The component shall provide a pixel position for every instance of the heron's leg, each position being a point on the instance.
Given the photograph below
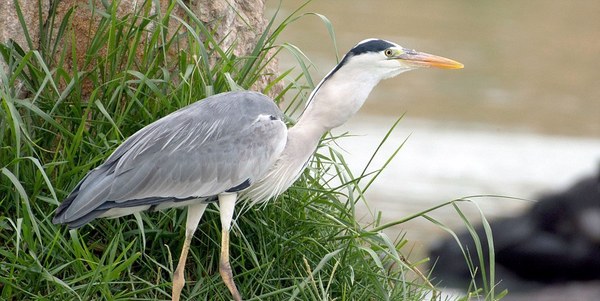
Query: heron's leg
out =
(226, 207)
(194, 214)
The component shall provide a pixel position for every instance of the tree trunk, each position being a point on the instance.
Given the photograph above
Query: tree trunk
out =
(232, 21)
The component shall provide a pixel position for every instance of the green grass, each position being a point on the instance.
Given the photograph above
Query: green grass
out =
(306, 245)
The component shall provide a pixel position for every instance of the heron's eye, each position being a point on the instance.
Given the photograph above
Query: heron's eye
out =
(388, 52)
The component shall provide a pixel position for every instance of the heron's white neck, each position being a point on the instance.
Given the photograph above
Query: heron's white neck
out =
(337, 98)
(334, 101)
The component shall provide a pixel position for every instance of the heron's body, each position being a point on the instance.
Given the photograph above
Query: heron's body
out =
(185, 157)
(231, 146)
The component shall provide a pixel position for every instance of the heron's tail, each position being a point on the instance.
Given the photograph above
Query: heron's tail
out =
(81, 206)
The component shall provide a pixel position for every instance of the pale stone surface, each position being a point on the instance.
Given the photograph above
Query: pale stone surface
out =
(235, 22)
(10, 27)
(239, 22)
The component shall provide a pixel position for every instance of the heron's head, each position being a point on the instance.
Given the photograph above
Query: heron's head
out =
(383, 59)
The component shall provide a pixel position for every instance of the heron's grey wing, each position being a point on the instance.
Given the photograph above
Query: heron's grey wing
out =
(187, 167)
(201, 150)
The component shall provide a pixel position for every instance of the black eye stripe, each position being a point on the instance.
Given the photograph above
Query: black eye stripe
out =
(371, 46)
(368, 46)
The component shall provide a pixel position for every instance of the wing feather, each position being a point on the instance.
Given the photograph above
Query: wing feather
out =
(199, 151)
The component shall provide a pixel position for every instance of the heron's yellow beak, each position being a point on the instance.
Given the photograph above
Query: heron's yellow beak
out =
(424, 60)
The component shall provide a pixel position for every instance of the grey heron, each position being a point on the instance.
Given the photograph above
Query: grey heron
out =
(229, 147)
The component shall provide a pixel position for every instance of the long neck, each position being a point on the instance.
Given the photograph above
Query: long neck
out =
(336, 99)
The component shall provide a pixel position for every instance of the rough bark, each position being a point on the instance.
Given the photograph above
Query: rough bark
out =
(234, 22)
(10, 27)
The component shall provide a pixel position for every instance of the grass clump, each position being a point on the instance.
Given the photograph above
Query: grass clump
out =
(307, 245)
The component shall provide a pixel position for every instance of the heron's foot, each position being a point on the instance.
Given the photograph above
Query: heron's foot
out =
(225, 268)
(178, 283)
(194, 215)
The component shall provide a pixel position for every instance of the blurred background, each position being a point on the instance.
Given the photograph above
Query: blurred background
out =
(522, 118)
(521, 122)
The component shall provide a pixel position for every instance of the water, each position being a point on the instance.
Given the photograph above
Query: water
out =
(522, 118)
(442, 161)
